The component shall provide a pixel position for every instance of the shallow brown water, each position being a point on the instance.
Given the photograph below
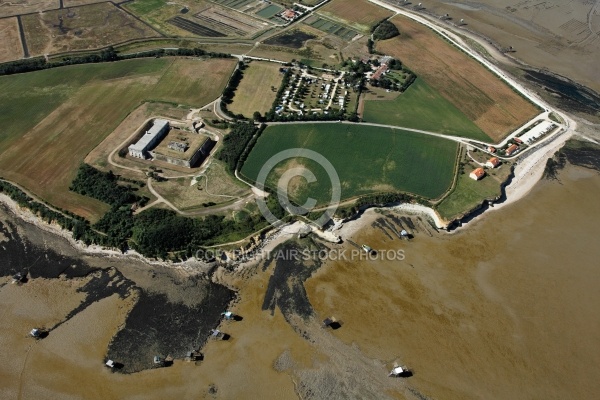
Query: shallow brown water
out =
(507, 308)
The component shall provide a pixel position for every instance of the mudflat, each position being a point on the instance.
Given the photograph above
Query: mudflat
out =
(502, 309)
(562, 35)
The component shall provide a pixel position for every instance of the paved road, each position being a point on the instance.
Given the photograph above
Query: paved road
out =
(445, 32)
(455, 39)
(458, 41)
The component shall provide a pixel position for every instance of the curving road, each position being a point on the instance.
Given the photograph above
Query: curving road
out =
(447, 33)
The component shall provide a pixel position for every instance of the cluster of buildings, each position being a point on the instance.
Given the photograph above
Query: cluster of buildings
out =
(317, 94)
(382, 69)
(479, 173)
(542, 128)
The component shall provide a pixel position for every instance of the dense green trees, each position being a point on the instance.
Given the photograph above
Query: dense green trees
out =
(235, 143)
(107, 55)
(385, 30)
(102, 186)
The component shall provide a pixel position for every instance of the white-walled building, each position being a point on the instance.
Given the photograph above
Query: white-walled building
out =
(159, 129)
(493, 162)
(477, 174)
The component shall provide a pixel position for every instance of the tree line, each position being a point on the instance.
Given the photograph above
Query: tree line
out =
(235, 144)
(229, 91)
(106, 55)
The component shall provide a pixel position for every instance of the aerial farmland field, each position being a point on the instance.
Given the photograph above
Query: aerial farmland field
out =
(81, 28)
(486, 100)
(367, 159)
(269, 11)
(195, 18)
(53, 118)
(328, 26)
(26, 6)
(421, 107)
(254, 92)
(10, 46)
(359, 14)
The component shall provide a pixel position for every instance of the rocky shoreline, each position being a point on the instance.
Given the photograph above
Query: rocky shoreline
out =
(526, 174)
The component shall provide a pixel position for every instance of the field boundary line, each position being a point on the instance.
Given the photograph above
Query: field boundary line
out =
(23, 40)
(452, 188)
(118, 5)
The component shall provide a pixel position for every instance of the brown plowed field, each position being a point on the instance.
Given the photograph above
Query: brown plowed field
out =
(358, 13)
(81, 28)
(473, 89)
(19, 7)
(10, 45)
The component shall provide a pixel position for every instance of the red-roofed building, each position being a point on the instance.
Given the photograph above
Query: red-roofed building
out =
(493, 162)
(477, 174)
(288, 14)
(382, 68)
(512, 149)
(491, 149)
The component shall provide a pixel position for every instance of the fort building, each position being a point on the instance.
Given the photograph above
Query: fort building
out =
(154, 135)
(183, 148)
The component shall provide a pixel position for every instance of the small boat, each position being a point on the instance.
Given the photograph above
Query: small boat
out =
(400, 371)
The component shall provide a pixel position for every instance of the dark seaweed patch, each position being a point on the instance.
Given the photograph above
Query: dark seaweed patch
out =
(156, 326)
(582, 154)
(286, 285)
(573, 96)
(17, 254)
(294, 39)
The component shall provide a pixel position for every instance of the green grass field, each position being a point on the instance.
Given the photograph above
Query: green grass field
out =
(254, 91)
(367, 160)
(269, 11)
(52, 119)
(421, 107)
(469, 193)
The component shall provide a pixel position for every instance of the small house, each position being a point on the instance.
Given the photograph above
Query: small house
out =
(477, 174)
(288, 15)
(493, 162)
(491, 149)
(110, 364)
(512, 149)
